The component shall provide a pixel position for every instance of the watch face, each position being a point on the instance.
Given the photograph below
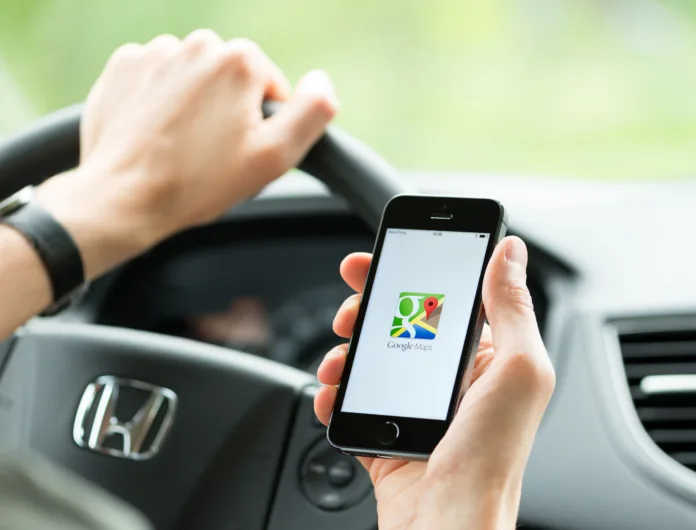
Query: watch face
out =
(16, 201)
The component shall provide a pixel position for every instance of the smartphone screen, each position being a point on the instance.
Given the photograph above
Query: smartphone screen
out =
(416, 323)
(418, 326)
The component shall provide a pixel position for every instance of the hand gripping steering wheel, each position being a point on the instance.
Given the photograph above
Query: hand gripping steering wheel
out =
(218, 438)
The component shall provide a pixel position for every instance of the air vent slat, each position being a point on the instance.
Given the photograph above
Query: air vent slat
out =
(685, 458)
(659, 350)
(665, 414)
(634, 371)
(659, 370)
(673, 435)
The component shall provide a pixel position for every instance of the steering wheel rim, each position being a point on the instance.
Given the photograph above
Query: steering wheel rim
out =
(348, 167)
(237, 416)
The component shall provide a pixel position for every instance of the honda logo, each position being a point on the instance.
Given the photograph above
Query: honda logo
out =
(99, 426)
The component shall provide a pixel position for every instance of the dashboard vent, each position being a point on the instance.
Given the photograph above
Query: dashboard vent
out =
(661, 372)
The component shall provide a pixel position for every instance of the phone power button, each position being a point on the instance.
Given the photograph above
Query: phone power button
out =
(387, 433)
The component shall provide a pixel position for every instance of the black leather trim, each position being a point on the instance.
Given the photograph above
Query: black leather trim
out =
(54, 245)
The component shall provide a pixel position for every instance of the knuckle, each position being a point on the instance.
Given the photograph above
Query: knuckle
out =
(519, 295)
(165, 41)
(125, 53)
(200, 40)
(240, 58)
(511, 294)
(159, 190)
(246, 45)
(322, 105)
(275, 158)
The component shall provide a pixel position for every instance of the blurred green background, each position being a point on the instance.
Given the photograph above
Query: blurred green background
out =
(562, 88)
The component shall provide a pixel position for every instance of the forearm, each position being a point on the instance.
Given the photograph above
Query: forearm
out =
(106, 231)
(24, 283)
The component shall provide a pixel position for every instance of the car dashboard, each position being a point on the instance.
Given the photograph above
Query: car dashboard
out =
(269, 287)
(266, 287)
(610, 275)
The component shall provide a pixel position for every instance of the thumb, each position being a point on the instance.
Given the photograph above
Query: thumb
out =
(300, 122)
(501, 412)
(508, 304)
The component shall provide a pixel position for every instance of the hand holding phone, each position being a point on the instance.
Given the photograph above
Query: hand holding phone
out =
(473, 478)
(420, 322)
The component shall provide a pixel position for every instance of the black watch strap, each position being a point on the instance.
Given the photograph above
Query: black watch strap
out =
(54, 245)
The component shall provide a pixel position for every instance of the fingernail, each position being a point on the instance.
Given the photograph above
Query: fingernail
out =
(318, 82)
(347, 304)
(333, 352)
(515, 251)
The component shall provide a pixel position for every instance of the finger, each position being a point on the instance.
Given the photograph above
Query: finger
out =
(521, 370)
(354, 268)
(484, 355)
(303, 119)
(324, 401)
(331, 368)
(505, 405)
(486, 340)
(275, 84)
(484, 358)
(519, 378)
(508, 303)
(347, 314)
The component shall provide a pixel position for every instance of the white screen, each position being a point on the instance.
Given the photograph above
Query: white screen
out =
(425, 284)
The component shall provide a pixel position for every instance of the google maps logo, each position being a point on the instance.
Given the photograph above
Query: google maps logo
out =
(417, 315)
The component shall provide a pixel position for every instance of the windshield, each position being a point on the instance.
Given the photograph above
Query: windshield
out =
(572, 88)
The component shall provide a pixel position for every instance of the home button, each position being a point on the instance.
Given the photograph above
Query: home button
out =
(387, 433)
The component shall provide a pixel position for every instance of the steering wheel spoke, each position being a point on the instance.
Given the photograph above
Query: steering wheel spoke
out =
(230, 415)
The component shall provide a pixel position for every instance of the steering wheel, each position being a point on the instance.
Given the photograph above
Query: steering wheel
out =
(193, 435)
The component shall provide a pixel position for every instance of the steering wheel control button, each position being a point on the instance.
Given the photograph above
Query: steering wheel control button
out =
(387, 433)
(332, 481)
(330, 500)
(341, 473)
(316, 468)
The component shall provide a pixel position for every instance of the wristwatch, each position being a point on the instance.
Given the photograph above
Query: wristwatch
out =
(53, 244)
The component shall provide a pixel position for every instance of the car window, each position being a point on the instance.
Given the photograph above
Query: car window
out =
(572, 88)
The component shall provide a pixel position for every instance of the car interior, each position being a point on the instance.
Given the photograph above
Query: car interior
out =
(235, 316)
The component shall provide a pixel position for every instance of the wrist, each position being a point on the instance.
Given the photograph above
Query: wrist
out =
(486, 504)
(104, 216)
